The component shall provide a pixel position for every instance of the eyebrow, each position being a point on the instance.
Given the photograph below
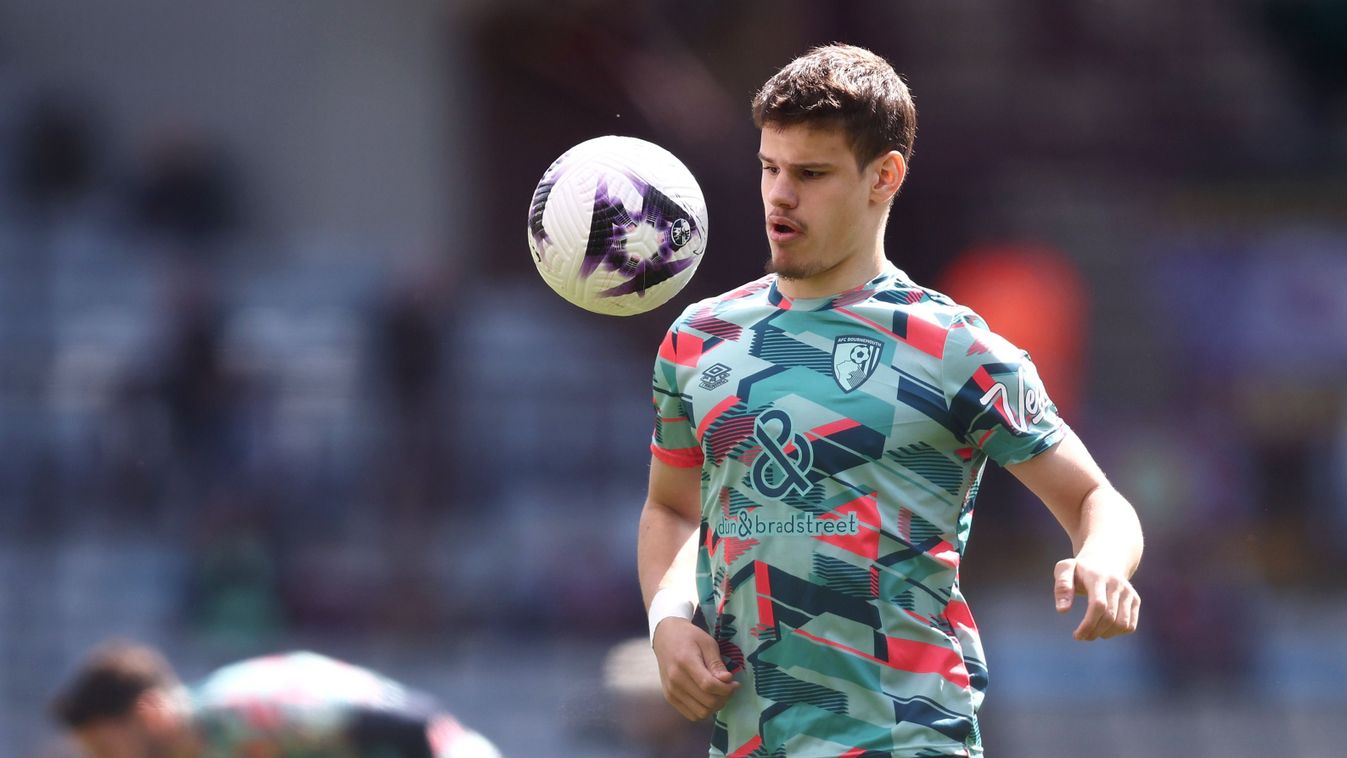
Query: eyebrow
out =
(807, 166)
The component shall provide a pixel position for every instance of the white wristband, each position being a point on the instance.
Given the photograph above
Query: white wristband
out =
(666, 603)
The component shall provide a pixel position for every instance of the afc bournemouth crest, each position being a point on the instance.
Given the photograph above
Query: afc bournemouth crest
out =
(855, 359)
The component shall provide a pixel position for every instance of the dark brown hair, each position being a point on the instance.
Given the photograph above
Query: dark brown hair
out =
(109, 683)
(842, 86)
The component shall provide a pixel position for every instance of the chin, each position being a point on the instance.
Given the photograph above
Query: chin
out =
(785, 268)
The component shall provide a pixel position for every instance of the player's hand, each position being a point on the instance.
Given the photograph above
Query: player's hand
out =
(695, 680)
(1112, 603)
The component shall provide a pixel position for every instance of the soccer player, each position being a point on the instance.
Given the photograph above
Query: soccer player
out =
(126, 702)
(820, 434)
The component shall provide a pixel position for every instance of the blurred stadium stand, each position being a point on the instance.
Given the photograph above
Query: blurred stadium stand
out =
(278, 373)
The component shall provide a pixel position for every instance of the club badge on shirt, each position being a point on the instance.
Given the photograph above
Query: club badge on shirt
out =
(855, 359)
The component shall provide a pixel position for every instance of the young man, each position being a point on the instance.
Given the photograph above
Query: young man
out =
(821, 433)
(126, 702)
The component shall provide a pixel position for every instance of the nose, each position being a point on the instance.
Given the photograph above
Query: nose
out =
(779, 191)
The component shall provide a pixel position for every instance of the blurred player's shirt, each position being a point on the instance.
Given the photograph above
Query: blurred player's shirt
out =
(841, 442)
(304, 705)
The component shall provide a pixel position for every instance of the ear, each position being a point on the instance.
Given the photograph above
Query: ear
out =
(890, 169)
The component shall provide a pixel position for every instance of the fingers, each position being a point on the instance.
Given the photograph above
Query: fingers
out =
(1112, 603)
(1112, 610)
(1064, 584)
(696, 702)
(696, 682)
(699, 704)
(687, 707)
(1129, 608)
(1097, 612)
(714, 678)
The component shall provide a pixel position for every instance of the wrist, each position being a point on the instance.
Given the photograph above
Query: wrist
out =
(668, 603)
(1103, 560)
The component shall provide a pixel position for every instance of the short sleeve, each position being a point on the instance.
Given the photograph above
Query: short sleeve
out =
(674, 440)
(997, 400)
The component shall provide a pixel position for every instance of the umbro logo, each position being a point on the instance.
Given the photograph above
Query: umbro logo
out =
(715, 376)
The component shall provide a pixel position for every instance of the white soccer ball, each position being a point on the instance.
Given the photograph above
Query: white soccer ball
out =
(617, 225)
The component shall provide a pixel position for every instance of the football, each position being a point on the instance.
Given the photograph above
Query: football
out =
(617, 225)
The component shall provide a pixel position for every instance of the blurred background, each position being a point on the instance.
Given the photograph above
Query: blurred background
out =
(276, 370)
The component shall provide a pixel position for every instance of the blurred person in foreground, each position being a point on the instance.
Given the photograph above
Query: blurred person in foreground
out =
(126, 702)
(820, 434)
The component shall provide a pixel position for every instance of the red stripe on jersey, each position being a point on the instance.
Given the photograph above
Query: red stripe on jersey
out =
(853, 296)
(763, 584)
(689, 349)
(733, 548)
(757, 285)
(983, 378)
(960, 615)
(736, 548)
(666, 347)
(706, 322)
(864, 320)
(840, 646)
(925, 658)
(684, 457)
(681, 347)
(855, 752)
(909, 655)
(840, 425)
(926, 336)
(945, 553)
(715, 413)
(748, 747)
(728, 435)
(865, 542)
(925, 620)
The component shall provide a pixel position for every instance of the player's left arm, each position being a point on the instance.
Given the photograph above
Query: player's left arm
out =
(1105, 536)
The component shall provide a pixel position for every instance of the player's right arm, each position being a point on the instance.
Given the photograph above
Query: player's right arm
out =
(694, 678)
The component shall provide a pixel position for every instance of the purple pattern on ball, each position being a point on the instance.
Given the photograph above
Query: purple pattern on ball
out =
(609, 226)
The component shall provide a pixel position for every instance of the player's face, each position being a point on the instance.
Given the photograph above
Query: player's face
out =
(821, 220)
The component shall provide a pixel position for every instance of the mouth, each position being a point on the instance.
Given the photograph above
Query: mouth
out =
(782, 229)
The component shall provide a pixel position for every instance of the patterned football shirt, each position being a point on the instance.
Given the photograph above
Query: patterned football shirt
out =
(841, 441)
(305, 705)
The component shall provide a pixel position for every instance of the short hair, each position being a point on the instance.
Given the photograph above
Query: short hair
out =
(842, 86)
(109, 682)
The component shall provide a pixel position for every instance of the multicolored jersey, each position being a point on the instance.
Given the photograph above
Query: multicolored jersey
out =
(304, 705)
(841, 441)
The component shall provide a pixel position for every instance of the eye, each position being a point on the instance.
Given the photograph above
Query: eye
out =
(810, 174)
(771, 170)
